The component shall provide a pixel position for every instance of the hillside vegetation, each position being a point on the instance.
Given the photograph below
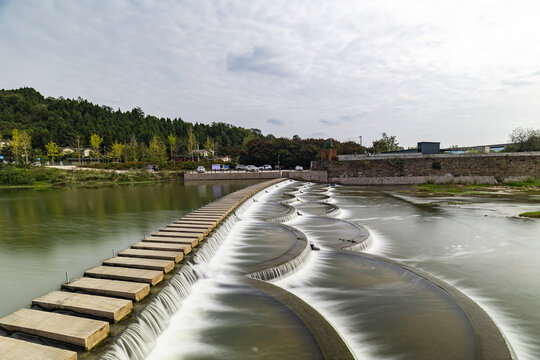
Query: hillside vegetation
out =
(128, 137)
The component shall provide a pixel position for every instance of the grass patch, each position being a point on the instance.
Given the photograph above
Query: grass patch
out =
(530, 186)
(451, 189)
(445, 203)
(44, 178)
(531, 214)
(530, 182)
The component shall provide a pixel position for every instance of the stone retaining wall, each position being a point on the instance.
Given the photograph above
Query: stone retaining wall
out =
(440, 168)
(317, 176)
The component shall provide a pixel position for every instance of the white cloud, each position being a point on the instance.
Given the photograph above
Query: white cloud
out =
(275, 122)
(461, 72)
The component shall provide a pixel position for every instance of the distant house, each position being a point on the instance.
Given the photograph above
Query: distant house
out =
(85, 152)
(223, 158)
(423, 147)
(4, 142)
(67, 150)
(185, 157)
(203, 153)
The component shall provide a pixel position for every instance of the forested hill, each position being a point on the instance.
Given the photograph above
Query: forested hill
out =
(63, 120)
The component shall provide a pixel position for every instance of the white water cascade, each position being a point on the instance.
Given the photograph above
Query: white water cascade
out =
(140, 337)
(282, 270)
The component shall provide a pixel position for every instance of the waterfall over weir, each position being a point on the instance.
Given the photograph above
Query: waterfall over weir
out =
(285, 269)
(139, 338)
(209, 309)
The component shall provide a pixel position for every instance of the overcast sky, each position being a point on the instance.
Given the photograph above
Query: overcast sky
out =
(459, 72)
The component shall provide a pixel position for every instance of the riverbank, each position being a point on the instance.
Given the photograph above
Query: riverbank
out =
(529, 186)
(39, 178)
(531, 214)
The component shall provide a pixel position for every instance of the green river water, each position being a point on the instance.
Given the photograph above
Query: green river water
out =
(45, 234)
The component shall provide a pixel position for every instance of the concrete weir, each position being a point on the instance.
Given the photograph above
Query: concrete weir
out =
(107, 292)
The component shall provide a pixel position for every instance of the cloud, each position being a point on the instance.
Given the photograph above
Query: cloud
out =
(318, 135)
(328, 122)
(516, 83)
(355, 117)
(275, 122)
(259, 60)
(329, 69)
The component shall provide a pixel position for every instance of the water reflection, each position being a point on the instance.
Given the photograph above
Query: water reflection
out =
(48, 233)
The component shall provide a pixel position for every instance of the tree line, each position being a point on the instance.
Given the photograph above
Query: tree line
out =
(71, 122)
(39, 126)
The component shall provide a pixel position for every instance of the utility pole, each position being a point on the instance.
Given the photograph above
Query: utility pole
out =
(360, 137)
(278, 163)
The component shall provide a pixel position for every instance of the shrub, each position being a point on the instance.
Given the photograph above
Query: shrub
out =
(10, 175)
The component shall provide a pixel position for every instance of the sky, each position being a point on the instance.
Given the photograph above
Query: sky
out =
(459, 72)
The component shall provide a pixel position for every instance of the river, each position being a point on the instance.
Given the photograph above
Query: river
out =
(45, 234)
(478, 244)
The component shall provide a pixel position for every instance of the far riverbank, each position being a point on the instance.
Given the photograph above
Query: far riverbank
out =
(39, 178)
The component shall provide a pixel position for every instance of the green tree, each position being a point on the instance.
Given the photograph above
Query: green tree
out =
(191, 142)
(385, 143)
(117, 150)
(172, 143)
(78, 148)
(95, 142)
(25, 143)
(157, 151)
(133, 149)
(53, 150)
(524, 140)
(16, 143)
(209, 145)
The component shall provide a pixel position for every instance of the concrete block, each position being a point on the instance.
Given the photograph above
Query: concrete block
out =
(124, 289)
(163, 246)
(98, 306)
(86, 333)
(151, 277)
(140, 263)
(175, 256)
(14, 349)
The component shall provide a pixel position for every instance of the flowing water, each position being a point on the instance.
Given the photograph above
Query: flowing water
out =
(381, 310)
(478, 244)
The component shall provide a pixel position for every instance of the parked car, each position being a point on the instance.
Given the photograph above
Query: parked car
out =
(267, 167)
(240, 167)
(252, 168)
(201, 169)
(299, 168)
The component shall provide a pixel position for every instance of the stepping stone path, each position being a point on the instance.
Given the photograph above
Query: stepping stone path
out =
(107, 291)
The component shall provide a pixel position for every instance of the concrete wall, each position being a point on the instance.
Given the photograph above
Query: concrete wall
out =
(440, 168)
(316, 176)
(232, 175)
